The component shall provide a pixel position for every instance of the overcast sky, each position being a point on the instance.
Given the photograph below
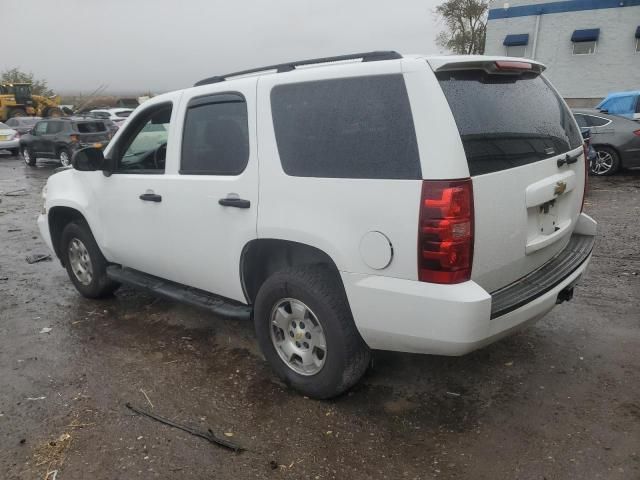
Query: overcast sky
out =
(160, 45)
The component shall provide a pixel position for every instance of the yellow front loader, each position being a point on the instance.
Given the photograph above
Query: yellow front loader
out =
(16, 100)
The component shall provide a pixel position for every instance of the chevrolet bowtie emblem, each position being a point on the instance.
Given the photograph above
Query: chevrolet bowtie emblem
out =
(560, 188)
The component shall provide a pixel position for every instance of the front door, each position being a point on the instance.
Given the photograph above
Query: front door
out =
(133, 216)
(39, 137)
(212, 201)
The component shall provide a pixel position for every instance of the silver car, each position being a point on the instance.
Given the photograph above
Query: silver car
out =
(615, 139)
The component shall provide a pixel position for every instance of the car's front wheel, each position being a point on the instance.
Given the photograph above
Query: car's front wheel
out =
(607, 161)
(85, 264)
(28, 156)
(307, 334)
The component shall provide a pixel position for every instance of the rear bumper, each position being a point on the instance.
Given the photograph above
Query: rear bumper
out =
(9, 144)
(410, 316)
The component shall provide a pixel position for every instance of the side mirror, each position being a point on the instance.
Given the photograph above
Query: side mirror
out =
(88, 159)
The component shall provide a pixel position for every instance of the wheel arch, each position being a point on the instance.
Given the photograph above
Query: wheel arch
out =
(263, 257)
(58, 218)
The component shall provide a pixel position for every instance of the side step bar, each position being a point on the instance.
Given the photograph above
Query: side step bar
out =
(174, 291)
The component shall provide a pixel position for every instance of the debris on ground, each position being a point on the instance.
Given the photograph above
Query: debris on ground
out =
(45, 330)
(147, 397)
(35, 398)
(453, 394)
(208, 435)
(52, 454)
(16, 193)
(11, 230)
(38, 257)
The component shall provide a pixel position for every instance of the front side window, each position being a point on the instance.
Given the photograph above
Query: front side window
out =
(517, 51)
(215, 139)
(142, 148)
(40, 128)
(584, 48)
(358, 127)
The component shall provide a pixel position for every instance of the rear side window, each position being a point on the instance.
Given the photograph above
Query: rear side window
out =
(215, 139)
(123, 114)
(346, 128)
(91, 127)
(598, 121)
(507, 121)
(55, 127)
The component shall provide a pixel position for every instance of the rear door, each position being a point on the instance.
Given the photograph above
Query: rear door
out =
(212, 196)
(517, 135)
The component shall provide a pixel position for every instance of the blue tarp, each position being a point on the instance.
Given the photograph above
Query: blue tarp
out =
(588, 35)
(516, 39)
(622, 103)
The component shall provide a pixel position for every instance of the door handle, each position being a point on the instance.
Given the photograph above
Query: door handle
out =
(569, 159)
(234, 202)
(150, 197)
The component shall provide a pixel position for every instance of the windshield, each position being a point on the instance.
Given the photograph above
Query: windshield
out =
(27, 121)
(507, 121)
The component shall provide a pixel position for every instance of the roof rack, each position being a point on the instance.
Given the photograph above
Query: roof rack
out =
(287, 67)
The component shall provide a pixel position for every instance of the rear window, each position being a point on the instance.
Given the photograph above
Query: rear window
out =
(507, 121)
(346, 128)
(123, 114)
(91, 127)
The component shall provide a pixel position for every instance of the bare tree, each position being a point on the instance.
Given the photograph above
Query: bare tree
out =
(38, 87)
(466, 22)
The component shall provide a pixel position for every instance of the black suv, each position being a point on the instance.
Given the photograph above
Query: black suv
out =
(60, 137)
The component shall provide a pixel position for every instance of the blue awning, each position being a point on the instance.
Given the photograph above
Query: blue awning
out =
(638, 32)
(513, 40)
(588, 35)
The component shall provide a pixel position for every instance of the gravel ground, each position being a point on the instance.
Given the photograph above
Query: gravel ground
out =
(556, 401)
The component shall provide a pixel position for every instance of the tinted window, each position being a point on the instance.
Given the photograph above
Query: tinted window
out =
(346, 128)
(215, 139)
(507, 121)
(582, 120)
(597, 121)
(55, 127)
(91, 127)
(123, 114)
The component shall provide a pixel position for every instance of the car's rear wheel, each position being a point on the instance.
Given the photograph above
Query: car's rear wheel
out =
(85, 264)
(307, 334)
(65, 157)
(607, 161)
(28, 156)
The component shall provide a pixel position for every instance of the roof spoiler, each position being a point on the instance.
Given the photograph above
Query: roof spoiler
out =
(499, 66)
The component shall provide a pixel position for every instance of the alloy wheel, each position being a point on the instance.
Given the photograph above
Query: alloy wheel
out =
(80, 261)
(602, 164)
(298, 336)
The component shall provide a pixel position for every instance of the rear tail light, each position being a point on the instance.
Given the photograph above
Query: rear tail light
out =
(585, 149)
(636, 133)
(445, 231)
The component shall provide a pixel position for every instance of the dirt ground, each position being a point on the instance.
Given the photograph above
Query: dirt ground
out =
(560, 400)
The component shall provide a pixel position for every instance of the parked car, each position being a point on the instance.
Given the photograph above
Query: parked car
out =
(591, 153)
(116, 115)
(60, 137)
(9, 139)
(22, 124)
(624, 104)
(417, 204)
(615, 139)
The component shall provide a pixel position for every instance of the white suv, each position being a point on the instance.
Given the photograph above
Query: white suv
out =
(370, 201)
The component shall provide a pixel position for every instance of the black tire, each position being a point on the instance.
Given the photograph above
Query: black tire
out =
(61, 157)
(347, 355)
(602, 153)
(99, 285)
(30, 157)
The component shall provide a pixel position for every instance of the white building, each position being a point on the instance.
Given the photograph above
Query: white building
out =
(590, 47)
